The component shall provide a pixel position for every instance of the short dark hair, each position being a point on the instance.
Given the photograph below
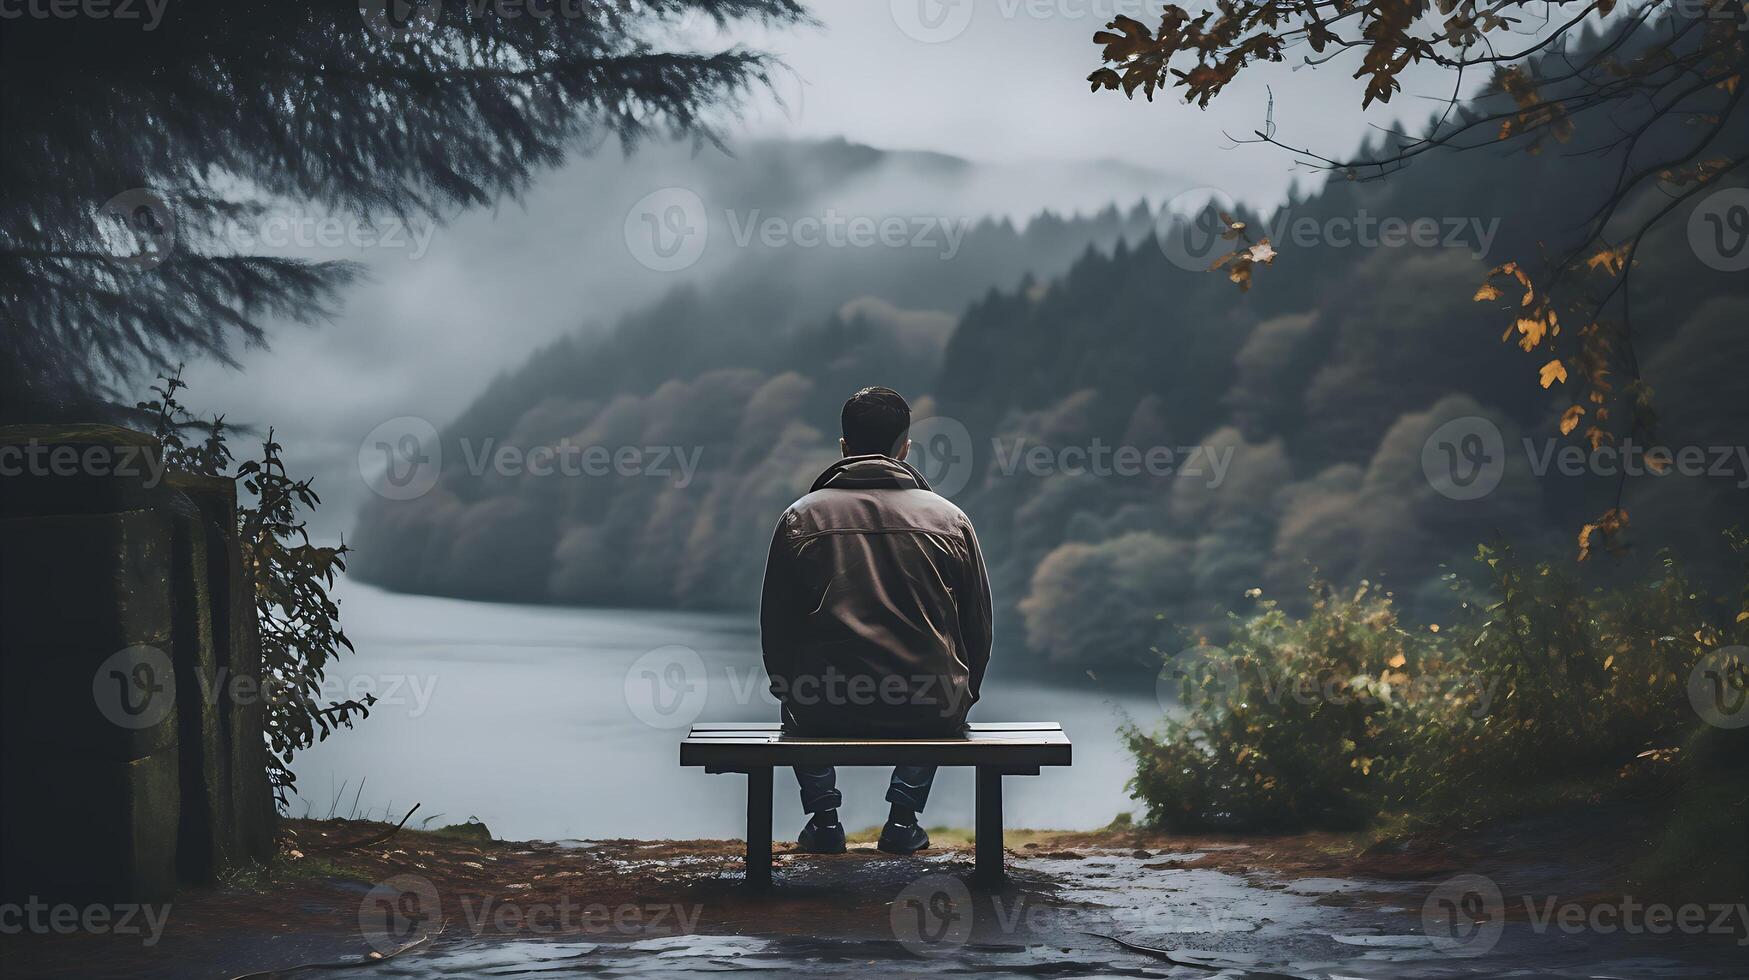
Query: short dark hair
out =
(876, 420)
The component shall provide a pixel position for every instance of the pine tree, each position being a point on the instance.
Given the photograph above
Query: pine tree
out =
(132, 144)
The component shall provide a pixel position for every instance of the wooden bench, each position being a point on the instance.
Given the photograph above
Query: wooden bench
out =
(1010, 748)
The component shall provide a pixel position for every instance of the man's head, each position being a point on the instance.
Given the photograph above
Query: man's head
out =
(876, 421)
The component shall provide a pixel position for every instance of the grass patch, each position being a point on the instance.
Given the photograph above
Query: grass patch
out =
(474, 829)
(285, 869)
(1702, 853)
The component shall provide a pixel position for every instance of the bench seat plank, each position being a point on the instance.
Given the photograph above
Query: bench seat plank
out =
(767, 745)
(981, 726)
(983, 738)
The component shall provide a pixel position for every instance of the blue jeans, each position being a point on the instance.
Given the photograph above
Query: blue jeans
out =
(909, 788)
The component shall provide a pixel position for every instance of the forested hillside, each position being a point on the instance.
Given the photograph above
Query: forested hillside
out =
(1316, 392)
(741, 373)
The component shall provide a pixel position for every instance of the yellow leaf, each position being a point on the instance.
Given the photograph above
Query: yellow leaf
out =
(1610, 260)
(1488, 291)
(1610, 522)
(1533, 329)
(1570, 418)
(1397, 661)
(1552, 372)
(1744, 615)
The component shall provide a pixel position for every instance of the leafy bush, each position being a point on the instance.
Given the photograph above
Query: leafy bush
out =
(1329, 720)
(1285, 725)
(299, 624)
(1702, 852)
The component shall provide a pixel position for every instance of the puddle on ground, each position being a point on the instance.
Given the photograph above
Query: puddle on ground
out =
(1061, 917)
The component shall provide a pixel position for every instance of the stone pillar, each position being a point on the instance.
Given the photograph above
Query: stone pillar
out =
(88, 714)
(125, 614)
(244, 814)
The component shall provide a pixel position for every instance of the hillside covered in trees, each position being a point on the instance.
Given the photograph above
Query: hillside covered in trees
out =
(1310, 400)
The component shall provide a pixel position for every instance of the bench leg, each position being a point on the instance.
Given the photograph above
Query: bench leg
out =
(988, 827)
(759, 827)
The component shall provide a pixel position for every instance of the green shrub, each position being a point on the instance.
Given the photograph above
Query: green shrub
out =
(1286, 727)
(298, 622)
(1328, 720)
(1702, 852)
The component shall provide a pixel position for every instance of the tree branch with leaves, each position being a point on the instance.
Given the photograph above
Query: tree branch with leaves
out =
(1656, 88)
(130, 153)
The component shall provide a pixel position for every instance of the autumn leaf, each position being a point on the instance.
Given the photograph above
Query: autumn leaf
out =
(1460, 29)
(1133, 38)
(1503, 270)
(1610, 260)
(1570, 418)
(1585, 541)
(1486, 292)
(1240, 272)
(1104, 78)
(1263, 252)
(1552, 372)
(1608, 525)
(1531, 332)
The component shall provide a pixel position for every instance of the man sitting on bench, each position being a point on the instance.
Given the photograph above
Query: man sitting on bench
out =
(875, 618)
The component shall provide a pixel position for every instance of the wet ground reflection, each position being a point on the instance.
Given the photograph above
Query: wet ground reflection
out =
(1061, 917)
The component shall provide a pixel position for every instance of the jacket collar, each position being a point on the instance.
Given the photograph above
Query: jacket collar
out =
(874, 472)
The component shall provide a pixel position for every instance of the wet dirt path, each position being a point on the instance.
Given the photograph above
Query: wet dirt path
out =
(1184, 914)
(1310, 906)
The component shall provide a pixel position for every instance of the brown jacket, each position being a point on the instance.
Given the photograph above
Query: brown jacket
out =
(876, 612)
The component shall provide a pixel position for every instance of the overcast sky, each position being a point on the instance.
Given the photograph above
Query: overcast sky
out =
(997, 82)
(1006, 80)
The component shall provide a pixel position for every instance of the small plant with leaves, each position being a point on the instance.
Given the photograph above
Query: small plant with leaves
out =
(171, 420)
(298, 621)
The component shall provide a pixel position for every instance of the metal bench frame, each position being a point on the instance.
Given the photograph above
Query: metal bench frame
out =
(1014, 748)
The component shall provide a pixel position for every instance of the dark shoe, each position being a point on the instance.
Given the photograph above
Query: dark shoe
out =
(821, 838)
(903, 838)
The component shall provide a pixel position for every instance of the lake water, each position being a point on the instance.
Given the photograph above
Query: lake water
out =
(539, 720)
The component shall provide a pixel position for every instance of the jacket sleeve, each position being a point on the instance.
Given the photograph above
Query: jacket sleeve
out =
(780, 615)
(975, 624)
